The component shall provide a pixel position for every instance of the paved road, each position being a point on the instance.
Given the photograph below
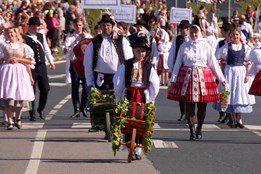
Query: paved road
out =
(61, 145)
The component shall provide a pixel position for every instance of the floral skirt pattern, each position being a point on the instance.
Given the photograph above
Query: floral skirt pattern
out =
(194, 84)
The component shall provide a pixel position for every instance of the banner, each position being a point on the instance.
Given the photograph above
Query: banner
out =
(179, 14)
(100, 4)
(125, 13)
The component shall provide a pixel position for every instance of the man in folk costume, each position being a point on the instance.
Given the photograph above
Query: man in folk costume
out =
(137, 79)
(180, 39)
(38, 43)
(104, 54)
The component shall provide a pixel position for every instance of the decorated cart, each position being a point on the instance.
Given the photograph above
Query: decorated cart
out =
(102, 110)
(128, 124)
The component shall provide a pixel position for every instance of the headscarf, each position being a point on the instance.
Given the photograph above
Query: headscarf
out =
(200, 37)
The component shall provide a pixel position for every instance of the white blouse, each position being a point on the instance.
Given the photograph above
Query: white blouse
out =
(119, 85)
(197, 53)
(255, 57)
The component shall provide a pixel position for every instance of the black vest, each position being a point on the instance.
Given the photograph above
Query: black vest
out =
(235, 58)
(146, 72)
(221, 43)
(97, 41)
(179, 41)
(39, 55)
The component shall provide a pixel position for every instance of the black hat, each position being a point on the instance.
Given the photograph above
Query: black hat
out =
(184, 24)
(34, 21)
(227, 26)
(140, 39)
(141, 22)
(106, 19)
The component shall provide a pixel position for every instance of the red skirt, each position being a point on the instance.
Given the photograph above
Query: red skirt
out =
(255, 88)
(194, 84)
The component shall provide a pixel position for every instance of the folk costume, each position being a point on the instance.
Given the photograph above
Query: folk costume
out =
(15, 85)
(255, 71)
(103, 56)
(236, 56)
(137, 80)
(177, 42)
(38, 43)
(195, 82)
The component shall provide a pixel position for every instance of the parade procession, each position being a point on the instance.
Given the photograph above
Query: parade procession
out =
(130, 86)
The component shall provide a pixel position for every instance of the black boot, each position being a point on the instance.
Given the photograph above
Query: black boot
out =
(198, 133)
(192, 131)
(222, 115)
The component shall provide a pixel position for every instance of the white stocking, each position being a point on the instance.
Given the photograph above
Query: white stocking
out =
(9, 112)
(18, 113)
(239, 118)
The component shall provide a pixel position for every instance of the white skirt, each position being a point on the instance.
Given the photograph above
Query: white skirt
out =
(235, 76)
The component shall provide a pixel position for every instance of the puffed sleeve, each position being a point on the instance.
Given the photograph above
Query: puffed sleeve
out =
(247, 52)
(28, 52)
(119, 83)
(213, 64)
(221, 53)
(171, 57)
(128, 54)
(88, 59)
(153, 90)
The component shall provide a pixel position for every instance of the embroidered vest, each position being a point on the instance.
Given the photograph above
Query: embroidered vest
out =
(235, 58)
(128, 70)
(179, 41)
(97, 41)
(39, 55)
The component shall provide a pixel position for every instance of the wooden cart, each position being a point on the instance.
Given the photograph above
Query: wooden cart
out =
(134, 128)
(102, 115)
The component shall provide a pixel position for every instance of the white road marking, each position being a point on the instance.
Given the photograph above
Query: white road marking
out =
(164, 144)
(32, 125)
(57, 84)
(256, 132)
(81, 125)
(156, 126)
(56, 76)
(35, 158)
(253, 127)
(163, 87)
(55, 109)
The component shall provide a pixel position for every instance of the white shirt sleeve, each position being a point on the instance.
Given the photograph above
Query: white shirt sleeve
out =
(154, 53)
(47, 51)
(127, 49)
(153, 89)
(88, 59)
(28, 52)
(119, 83)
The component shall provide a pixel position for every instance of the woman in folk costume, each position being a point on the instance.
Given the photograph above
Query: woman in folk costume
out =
(255, 58)
(236, 72)
(136, 78)
(195, 83)
(15, 82)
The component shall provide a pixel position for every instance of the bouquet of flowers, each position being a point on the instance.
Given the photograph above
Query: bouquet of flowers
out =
(224, 97)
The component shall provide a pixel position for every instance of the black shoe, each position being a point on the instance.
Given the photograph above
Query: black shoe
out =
(75, 115)
(198, 134)
(93, 130)
(10, 126)
(18, 124)
(84, 113)
(32, 118)
(138, 157)
(182, 118)
(41, 115)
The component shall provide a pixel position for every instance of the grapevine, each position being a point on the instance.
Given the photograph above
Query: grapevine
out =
(97, 97)
(121, 110)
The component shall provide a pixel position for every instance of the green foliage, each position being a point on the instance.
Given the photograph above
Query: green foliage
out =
(97, 97)
(121, 110)
(224, 93)
(93, 18)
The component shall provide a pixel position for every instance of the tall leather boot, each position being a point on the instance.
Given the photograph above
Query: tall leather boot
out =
(192, 131)
(198, 131)
(222, 115)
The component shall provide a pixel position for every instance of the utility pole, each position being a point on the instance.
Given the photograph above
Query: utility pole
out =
(176, 3)
(229, 7)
